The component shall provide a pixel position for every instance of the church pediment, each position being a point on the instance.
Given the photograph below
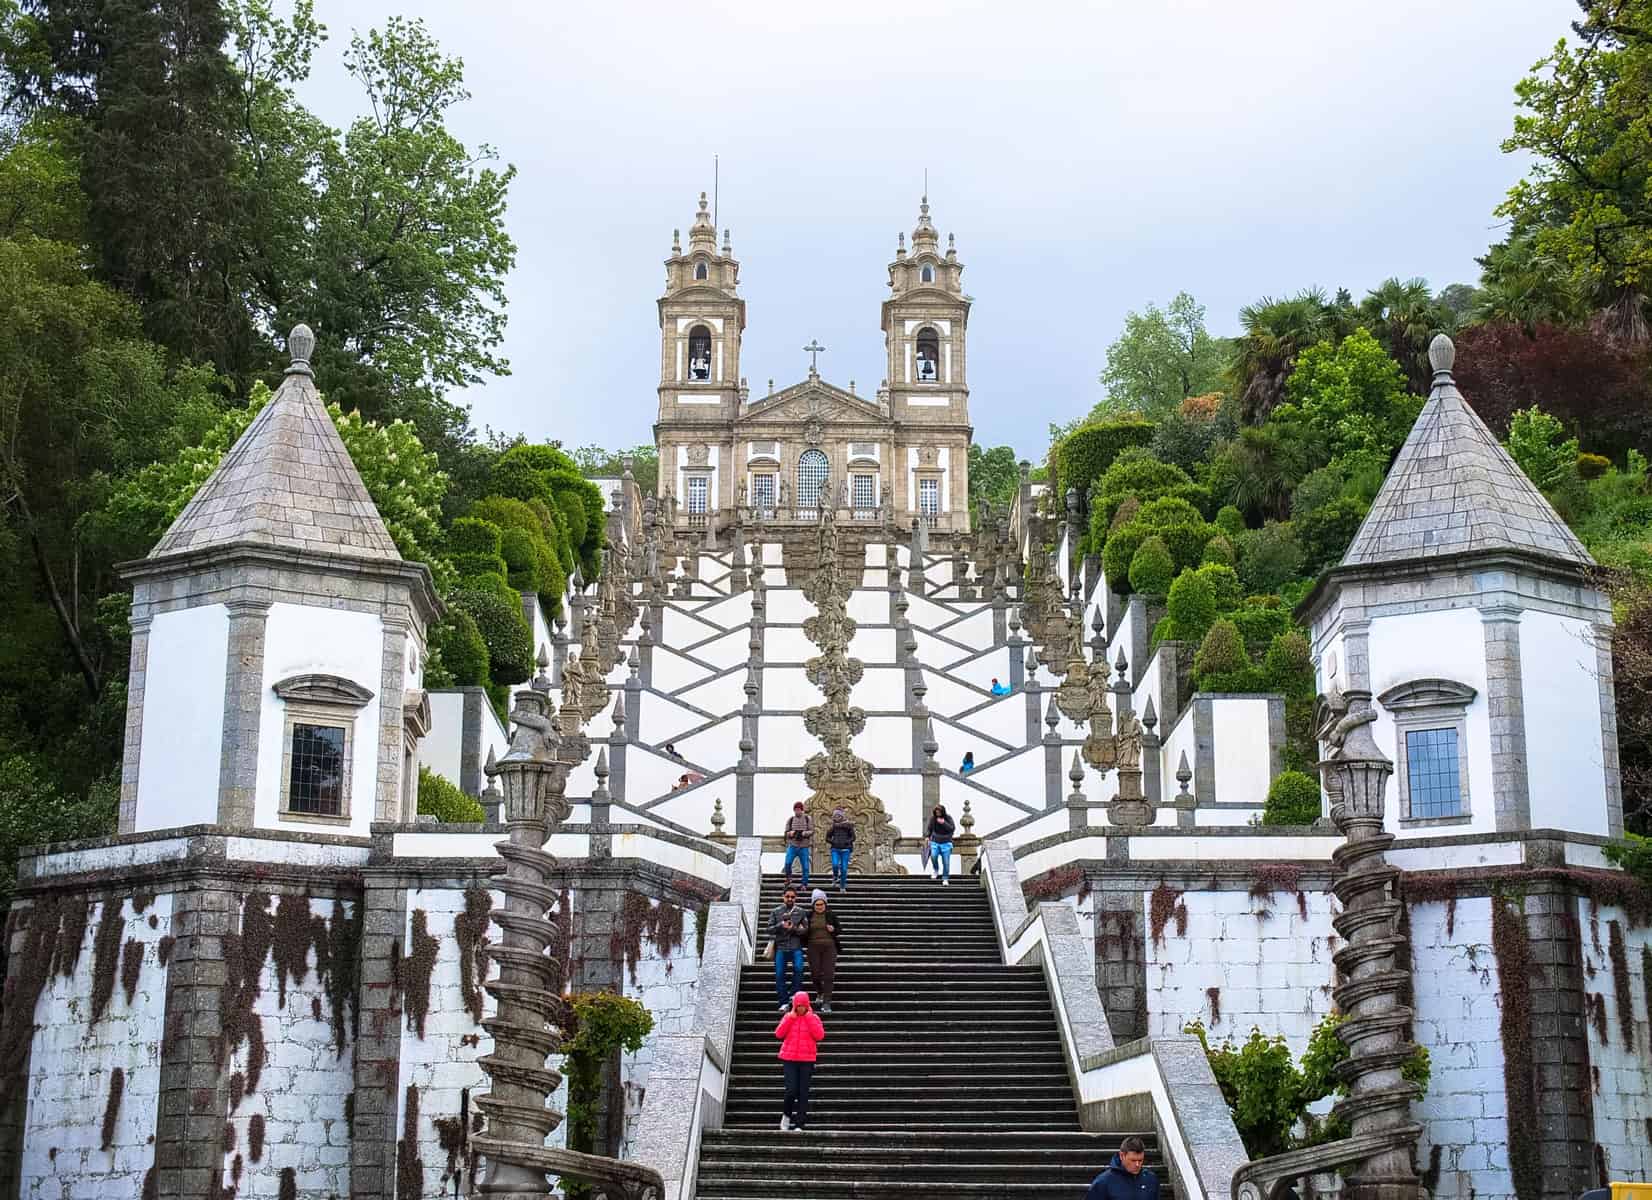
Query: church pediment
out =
(813, 400)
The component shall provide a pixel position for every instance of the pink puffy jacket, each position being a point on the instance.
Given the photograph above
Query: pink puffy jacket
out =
(799, 1031)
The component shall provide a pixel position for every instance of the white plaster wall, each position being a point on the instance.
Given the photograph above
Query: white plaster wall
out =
(72, 1060)
(441, 749)
(1021, 776)
(650, 774)
(301, 1087)
(729, 611)
(673, 672)
(1457, 1016)
(713, 748)
(1178, 740)
(867, 606)
(925, 613)
(981, 671)
(975, 630)
(873, 645)
(886, 741)
(1271, 966)
(786, 606)
(788, 688)
(1148, 686)
(1239, 732)
(1436, 645)
(948, 697)
(1004, 719)
(783, 742)
(299, 639)
(881, 689)
(681, 628)
(786, 644)
(183, 718)
(728, 652)
(719, 695)
(1565, 763)
(990, 813)
(659, 719)
(1623, 1083)
(1124, 636)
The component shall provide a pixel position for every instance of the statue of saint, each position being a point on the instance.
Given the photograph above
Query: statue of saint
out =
(1129, 741)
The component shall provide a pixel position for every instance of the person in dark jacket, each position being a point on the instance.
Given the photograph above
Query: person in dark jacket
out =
(841, 838)
(940, 831)
(1126, 1177)
(800, 832)
(825, 940)
(788, 927)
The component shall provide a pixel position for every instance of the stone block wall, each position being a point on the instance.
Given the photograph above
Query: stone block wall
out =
(93, 1070)
(291, 976)
(662, 976)
(1235, 959)
(1617, 963)
(1458, 1018)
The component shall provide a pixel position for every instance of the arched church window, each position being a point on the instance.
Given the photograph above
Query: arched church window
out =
(929, 356)
(927, 274)
(699, 354)
(701, 271)
(811, 474)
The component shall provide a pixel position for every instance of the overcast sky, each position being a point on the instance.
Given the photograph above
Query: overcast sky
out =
(1090, 158)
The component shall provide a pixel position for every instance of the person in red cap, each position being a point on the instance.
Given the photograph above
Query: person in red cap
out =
(800, 832)
(799, 1031)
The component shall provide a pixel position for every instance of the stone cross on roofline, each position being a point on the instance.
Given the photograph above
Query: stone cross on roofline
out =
(813, 350)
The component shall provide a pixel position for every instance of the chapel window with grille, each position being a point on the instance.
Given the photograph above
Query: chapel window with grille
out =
(863, 491)
(315, 781)
(1432, 768)
(699, 490)
(929, 496)
(762, 493)
(811, 474)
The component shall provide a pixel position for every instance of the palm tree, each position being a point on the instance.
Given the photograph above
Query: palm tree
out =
(1523, 285)
(1275, 332)
(1404, 317)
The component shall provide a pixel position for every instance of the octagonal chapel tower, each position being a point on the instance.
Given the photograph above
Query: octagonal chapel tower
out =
(1469, 611)
(278, 642)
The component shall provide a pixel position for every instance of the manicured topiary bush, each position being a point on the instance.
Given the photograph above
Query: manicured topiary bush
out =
(1151, 568)
(1219, 550)
(1289, 663)
(441, 799)
(1230, 520)
(1293, 799)
(1260, 619)
(476, 548)
(1117, 554)
(1269, 557)
(1089, 450)
(497, 612)
(1191, 607)
(1224, 585)
(1221, 653)
(459, 656)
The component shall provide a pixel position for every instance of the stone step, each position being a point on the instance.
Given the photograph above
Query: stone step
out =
(916, 1137)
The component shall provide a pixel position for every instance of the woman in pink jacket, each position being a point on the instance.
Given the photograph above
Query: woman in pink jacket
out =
(799, 1032)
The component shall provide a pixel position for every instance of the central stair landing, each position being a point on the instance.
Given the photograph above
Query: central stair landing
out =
(942, 1071)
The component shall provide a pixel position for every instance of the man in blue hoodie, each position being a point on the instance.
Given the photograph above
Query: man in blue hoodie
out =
(1126, 1178)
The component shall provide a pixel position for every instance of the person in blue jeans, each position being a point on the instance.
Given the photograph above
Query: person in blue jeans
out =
(788, 926)
(841, 838)
(800, 833)
(940, 831)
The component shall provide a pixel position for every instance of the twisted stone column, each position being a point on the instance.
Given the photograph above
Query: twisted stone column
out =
(1376, 1026)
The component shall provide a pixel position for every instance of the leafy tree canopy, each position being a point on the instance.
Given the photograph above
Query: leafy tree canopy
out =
(1162, 357)
(994, 476)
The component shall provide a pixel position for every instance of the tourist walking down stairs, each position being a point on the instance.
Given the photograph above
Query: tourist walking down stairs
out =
(788, 926)
(1126, 1178)
(939, 836)
(841, 838)
(799, 1031)
(800, 832)
(825, 940)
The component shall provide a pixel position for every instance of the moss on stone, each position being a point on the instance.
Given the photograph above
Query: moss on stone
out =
(409, 1166)
(131, 969)
(470, 933)
(415, 971)
(111, 1108)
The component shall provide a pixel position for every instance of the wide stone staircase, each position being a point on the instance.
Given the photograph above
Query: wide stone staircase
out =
(941, 1072)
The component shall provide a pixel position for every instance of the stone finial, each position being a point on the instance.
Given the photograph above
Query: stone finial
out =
(1442, 354)
(930, 744)
(1120, 665)
(619, 714)
(1076, 772)
(601, 770)
(300, 345)
(1149, 716)
(1026, 469)
(717, 820)
(1184, 773)
(1052, 716)
(676, 241)
(966, 822)
(727, 248)
(543, 659)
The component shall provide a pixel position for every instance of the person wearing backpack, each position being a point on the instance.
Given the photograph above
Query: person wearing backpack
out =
(800, 831)
(788, 927)
(799, 1031)
(939, 835)
(841, 838)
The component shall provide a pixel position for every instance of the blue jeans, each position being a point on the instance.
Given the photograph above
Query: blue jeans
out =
(797, 854)
(940, 858)
(784, 959)
(840, 866)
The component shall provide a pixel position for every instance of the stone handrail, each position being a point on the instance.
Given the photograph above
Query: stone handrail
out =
(1163, 1081)
(688, 1080)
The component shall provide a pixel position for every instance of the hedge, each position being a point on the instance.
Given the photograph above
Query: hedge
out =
(1191, 607)
(1293, 799)
(1088, 451)
(1224, 585)
(1230, 520)
(497, 612)
(1219, 550)
(1222, 652)
(440, 799)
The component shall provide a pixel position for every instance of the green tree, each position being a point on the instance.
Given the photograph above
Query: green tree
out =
(1275, 332)
(1586, 123)
(1539, 444)
(1404, 316)
(1349, 397)
(601, 463)
(994, 476)
(1161, 358)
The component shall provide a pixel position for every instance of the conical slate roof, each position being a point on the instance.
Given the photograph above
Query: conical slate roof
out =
(1454, 490)
(287, 482)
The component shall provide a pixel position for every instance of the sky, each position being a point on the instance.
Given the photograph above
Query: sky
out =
(1091, 159)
